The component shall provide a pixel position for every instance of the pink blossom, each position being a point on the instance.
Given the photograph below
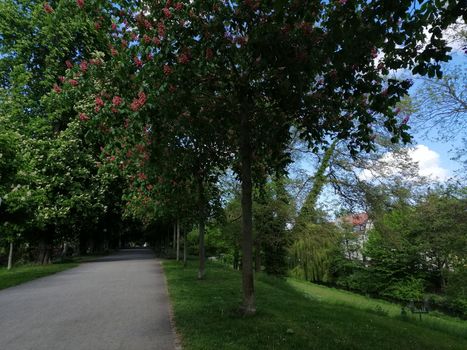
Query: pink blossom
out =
(99, 102)
(138, 102)
(178, 6)
(135, 105)
(68, 64)
(114, 26)
(97, 25)
(156, 40)
(342, 2)
(167, 12)
(57, 89)
(142, 98)
(167, 69)
(48, 8)
(183, 58)
(117, 101)
(405, 120)
(149, 56)
(61, 78)
(161, 29)
(83, 66)
(137, 61)
(80, 3)
(147, 24)
(73, 82)
(83, 117)
(146, 38)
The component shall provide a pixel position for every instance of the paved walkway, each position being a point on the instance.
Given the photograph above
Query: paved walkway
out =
(117, 302)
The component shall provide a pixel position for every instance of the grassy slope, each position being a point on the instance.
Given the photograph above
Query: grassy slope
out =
(18, 275)
(206, 317)
(434, 320)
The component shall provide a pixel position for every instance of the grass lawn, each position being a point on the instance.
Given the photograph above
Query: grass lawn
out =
(295, 315)
(21, 274)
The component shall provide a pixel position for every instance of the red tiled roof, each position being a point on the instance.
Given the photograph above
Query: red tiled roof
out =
(356, 219)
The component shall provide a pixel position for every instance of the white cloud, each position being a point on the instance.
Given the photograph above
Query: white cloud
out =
(428, 162)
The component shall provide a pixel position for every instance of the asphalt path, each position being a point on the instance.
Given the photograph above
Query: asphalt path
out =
(116, 302)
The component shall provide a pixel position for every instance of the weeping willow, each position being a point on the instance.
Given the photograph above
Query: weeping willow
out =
(312, 252)
(314, 243)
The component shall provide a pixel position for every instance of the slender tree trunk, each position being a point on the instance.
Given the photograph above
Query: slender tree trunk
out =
(202, 253)
(236, 257)
(44, 253)
(167, 241)
(178, 240)
(64, 250)
(175, 235)
(10, 257)
(248, 306)
(184, 249)
(202, 215)
(257, 257)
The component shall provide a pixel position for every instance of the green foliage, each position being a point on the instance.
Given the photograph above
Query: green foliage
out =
(272, 211)
(414, 249)
(214, 240)
(406, 290)
(312, 251)
(456, 291)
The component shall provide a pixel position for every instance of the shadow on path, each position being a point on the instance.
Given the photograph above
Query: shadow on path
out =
(127, 254)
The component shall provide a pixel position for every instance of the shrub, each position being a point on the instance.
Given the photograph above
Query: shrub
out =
(411, 289)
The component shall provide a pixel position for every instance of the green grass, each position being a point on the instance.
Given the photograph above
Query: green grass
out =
(21, 274)
(293, 315)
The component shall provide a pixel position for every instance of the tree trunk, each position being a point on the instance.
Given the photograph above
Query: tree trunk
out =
(178, 241)
(307, 213)
(248, 306)
(202, 215)
(64, 250)
(10, 257)
(184, 249)
(236, 258)
(257, 258)
(44, 253)
(175, 236)
(202, 253)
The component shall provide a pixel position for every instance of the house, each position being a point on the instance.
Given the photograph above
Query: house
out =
(356, 228)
